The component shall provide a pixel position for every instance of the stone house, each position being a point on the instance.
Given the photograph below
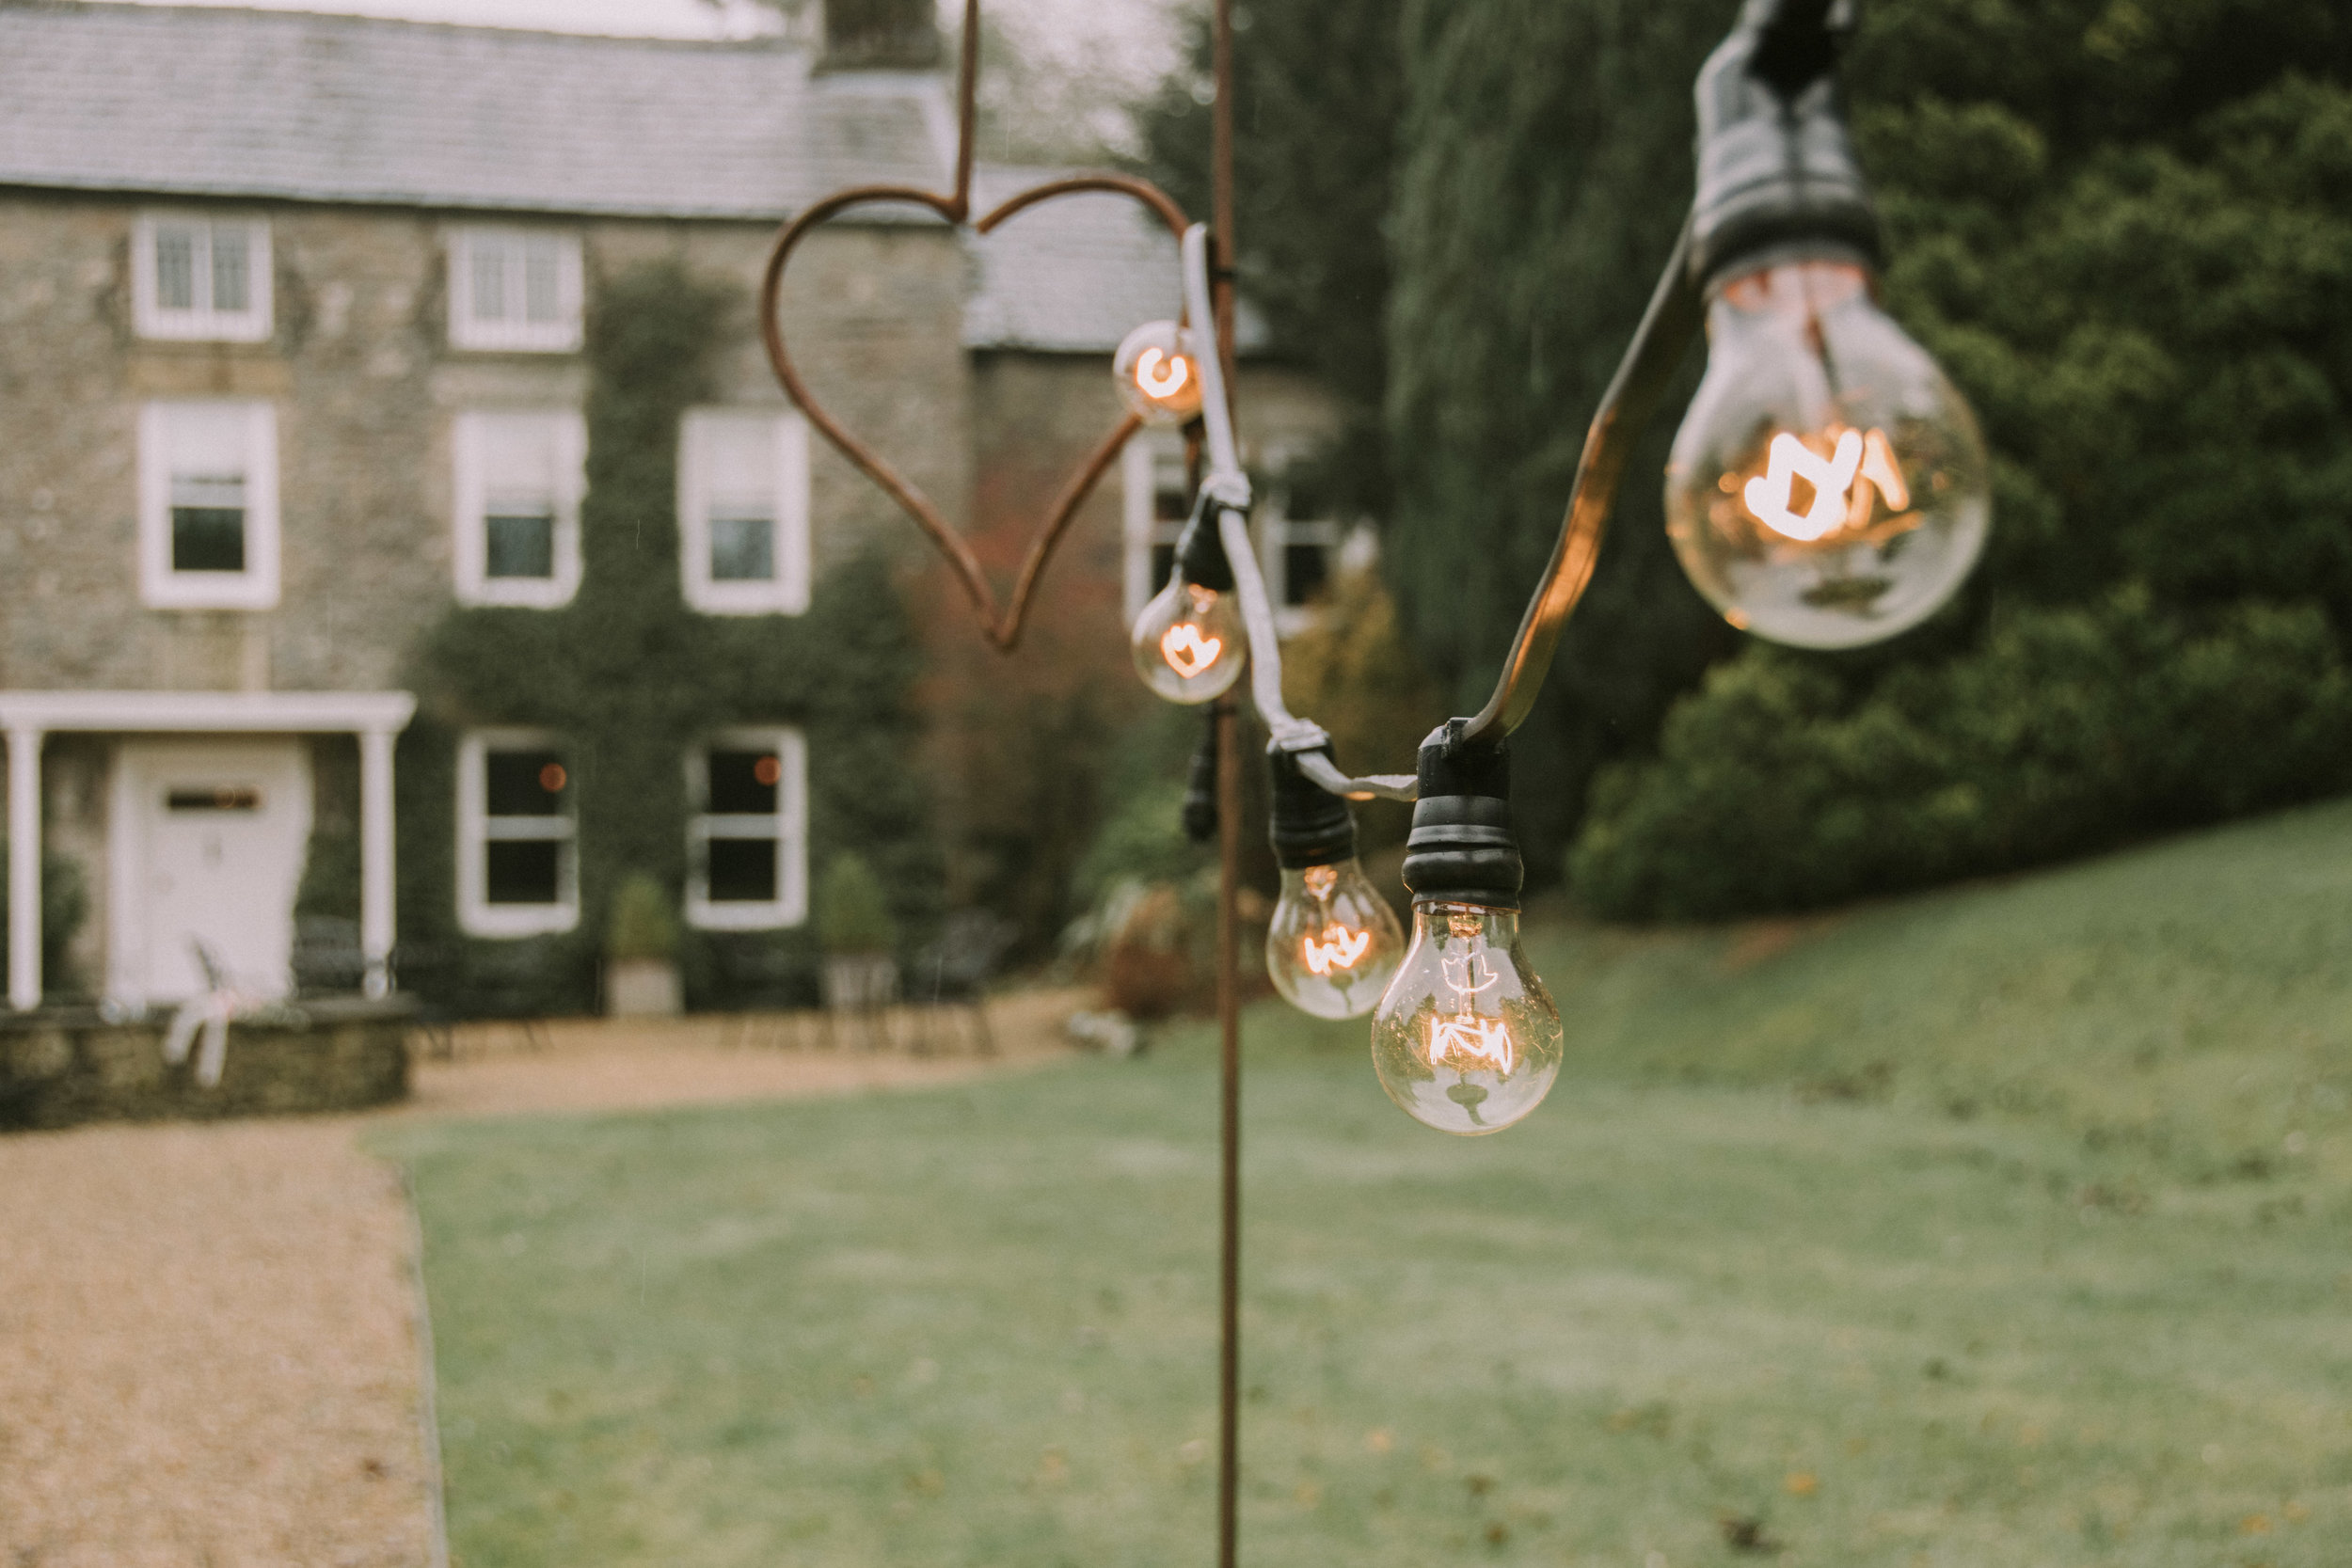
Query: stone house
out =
(291, 333)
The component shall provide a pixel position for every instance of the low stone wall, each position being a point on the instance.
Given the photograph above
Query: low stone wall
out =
(62, 1066)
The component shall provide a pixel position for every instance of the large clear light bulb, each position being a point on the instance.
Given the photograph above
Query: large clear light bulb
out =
(1333, 943)
(1188, 644)
(1829, 486)
(1467, 1039)
(1155, 374)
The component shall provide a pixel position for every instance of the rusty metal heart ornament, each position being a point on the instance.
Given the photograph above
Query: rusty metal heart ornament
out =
(1000, 620)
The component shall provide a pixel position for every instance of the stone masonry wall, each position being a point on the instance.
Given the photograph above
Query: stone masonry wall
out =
(366, 389)
(66, 1066)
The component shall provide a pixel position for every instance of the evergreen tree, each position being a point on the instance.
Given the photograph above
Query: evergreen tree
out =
(1318, 92)
(1546, 171)
(2120, 222)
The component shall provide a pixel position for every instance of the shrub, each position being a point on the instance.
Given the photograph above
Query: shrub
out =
(853, 909)
(1353, 672)
(64, 907)
(2067, 730)
(642, 925)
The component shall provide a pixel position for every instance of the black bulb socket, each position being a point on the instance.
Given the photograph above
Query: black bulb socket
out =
(1778, 180)
(1310, 825)
(1461, 850)
(1199, 812)
(1200, 551)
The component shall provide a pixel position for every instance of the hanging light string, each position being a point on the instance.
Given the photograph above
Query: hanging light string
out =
(1226, 486)
(1669, 325)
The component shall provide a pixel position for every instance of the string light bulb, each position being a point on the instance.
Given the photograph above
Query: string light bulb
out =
(1155, 374)
(1333, 943)
(1188, 644)
(1829, 486)
(1466, 1039)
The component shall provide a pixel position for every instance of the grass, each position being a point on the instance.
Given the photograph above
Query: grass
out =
(2011, 1226)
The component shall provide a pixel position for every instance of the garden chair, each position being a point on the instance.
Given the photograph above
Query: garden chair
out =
(954, 972)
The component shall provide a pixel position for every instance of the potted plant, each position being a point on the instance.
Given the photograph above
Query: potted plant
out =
(641, 952)
(859, 940)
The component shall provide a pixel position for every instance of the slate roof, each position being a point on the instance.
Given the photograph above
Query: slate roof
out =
(1073, 275)
(199, 101)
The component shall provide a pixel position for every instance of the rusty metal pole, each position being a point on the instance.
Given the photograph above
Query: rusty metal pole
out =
(1228, 1029)
(1229, 862)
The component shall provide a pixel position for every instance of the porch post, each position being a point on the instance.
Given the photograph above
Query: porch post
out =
(24, 868)
(375, 859)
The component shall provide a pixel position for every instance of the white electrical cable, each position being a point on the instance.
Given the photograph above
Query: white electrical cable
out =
(1266, 653)
(1227, 486)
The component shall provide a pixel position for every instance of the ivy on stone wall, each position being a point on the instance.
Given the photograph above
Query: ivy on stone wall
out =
(632, 679)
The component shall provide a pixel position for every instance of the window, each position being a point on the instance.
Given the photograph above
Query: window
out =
(1298, 553)
(743, 511)
(208, 505)
(519, 476)
(513, 289)
(1158, 501)
(747, 846)
(517, 863)
(195, 277)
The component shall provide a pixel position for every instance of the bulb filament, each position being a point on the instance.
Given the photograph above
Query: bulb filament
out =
(1838, 501)
(1471, 974)
(1340, 949)
(1468, 1043)
(1187, 652)
(1161, 375)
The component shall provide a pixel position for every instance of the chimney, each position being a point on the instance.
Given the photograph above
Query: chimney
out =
(880, 34)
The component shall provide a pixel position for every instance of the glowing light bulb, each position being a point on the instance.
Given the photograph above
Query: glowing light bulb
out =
(1188, 643)
(1467, 1040)
(1829, 486)
(1156, 375)
(1333, 943)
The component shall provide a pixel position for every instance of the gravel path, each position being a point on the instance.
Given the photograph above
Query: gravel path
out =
(208, 1349)
(207, 1354)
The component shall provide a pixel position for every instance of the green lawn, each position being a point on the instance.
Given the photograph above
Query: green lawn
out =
(2004, 1227)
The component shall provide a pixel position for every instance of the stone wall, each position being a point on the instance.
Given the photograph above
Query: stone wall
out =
(62, 1067)
(367, 390)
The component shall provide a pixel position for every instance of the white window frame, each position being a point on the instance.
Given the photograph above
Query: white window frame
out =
(257, 586)
(787, 592)
(469, 434)
(466, 331)
(476, 829)
(1280, 531)
(255, 323)
(789, 826)
(1143, 463)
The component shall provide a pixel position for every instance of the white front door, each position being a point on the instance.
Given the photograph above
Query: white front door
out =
(209, 843)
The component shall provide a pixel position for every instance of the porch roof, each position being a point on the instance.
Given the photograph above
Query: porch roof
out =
(209, 712)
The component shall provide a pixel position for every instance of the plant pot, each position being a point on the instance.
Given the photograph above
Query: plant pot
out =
(642, 988)
(859, 980)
